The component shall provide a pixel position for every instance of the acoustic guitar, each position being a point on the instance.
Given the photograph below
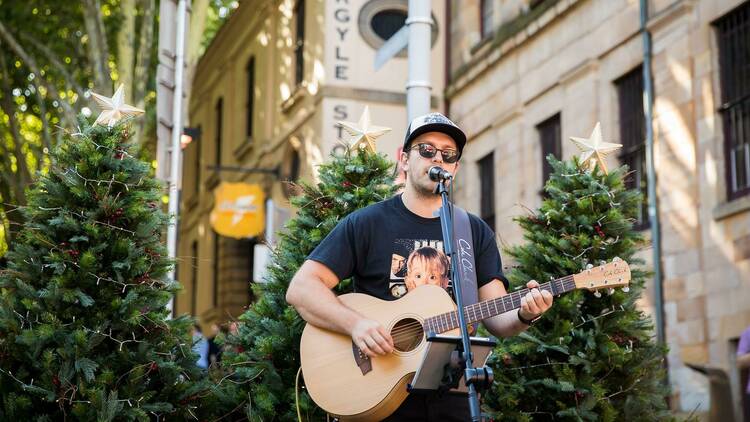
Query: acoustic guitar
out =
(346, 383)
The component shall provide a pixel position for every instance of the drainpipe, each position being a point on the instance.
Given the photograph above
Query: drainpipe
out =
(175, 167)
(653, 212)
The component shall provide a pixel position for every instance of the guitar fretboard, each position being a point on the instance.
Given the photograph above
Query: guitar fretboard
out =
(489, 308)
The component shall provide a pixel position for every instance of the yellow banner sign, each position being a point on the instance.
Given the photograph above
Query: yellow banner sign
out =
(239, 210)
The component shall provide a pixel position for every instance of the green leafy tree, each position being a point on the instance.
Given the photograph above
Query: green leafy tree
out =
(264, 355)
(588, 358)
(51, 54)
(84, 328)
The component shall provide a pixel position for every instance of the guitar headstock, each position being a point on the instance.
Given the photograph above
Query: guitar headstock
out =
(606, 276)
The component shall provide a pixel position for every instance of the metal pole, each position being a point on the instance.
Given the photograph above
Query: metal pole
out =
(176, 153)
(653, 211)
(418, 86)
(470, 372)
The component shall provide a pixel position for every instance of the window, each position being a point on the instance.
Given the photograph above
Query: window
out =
(219, 121)
(387, 22)
(292, 165)
(487, 194)
(216, 269)
(549, 136)
(733, 32)
(197, 152)
(633, 136)
(250, 97)
(379, 21)
(299, 12)
(194, 278)
(486, 10)
(247, 256)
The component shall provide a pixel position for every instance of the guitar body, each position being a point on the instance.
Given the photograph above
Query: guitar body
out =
(354, 388)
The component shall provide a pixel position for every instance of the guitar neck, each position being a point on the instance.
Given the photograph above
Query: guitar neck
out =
(489, 308)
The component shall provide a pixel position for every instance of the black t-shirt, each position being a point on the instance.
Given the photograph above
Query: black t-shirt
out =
(388, 250)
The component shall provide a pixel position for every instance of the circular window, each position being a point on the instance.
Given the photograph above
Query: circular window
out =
(388, 22)
(379, 20)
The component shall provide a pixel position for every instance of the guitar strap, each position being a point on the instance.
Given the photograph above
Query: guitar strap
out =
(464, 252)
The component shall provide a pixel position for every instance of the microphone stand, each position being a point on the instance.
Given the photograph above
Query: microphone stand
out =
(472, 375)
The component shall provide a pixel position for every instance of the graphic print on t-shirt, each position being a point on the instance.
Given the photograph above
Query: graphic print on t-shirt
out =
(415, 262)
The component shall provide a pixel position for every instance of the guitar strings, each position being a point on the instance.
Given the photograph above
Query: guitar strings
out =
(414, 330)
(410, 330)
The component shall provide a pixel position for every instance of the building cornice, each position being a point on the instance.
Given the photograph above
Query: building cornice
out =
(671, 13)
(490, 51)
(367, 95)
(728, 209)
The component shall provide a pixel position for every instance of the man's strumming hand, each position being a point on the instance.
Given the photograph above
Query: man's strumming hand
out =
(371, 337)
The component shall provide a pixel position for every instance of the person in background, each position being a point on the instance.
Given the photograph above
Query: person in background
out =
(214, 351)
(743, 364)
(200, 347)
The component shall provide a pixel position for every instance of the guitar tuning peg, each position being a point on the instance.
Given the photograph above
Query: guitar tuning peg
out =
(626, 289)
(597, 294)
(616, 259)
(602, 262)
(610, 291)
(589, 266)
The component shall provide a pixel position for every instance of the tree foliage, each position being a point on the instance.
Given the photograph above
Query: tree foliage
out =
(51, 55)
(265, 352)
(84, 328)
(588, 358)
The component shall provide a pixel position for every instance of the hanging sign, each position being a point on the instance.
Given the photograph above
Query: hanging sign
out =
(239, 210)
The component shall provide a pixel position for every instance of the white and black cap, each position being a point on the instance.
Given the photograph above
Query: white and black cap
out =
(434, 122)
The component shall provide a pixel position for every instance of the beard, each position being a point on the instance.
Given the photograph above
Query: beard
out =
(424, 190)
(423, 186)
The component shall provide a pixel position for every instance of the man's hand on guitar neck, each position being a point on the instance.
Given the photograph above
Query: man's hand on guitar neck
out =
(535, 302)
(371, 337)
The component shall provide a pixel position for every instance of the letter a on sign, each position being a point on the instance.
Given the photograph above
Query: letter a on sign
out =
(239, 210)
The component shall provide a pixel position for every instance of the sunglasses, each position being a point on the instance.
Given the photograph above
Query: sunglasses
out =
(450, 156)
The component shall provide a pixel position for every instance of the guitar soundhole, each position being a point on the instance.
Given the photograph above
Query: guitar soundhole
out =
(407, 334)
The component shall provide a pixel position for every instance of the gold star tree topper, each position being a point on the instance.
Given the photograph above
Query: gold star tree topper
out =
(594, 150)
(114, 109)
(363, 134)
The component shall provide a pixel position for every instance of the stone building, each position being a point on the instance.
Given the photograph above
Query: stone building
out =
(526, 75)
(266, 95)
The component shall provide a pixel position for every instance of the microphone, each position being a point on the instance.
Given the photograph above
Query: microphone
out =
(437, 174)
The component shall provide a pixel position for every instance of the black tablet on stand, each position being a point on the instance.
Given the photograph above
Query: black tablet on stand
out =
(439, 359)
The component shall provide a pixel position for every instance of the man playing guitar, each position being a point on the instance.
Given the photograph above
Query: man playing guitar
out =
(375, 246)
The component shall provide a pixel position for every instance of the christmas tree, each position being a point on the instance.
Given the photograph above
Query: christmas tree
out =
(264, 355)
(84, 327)
(588, 358)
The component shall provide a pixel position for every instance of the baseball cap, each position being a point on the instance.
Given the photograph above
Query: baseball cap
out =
(434, 122)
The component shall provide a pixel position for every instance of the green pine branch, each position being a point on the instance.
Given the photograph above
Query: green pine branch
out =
(264, 355)
(84, 329)
(588, 358)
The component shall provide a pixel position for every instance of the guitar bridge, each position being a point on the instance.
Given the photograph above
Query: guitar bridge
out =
(363, 361)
